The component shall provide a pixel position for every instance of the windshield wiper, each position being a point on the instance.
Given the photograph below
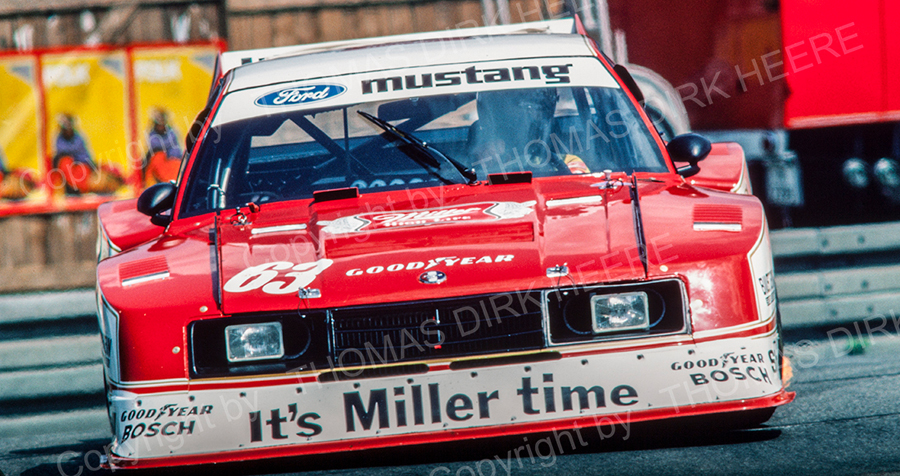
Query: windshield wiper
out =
(439, 158)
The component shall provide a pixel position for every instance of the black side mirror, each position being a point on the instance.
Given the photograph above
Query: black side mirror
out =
(630, 83)
(155, 200)
(690, 148)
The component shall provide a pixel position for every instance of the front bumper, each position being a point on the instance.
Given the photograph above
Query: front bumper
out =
(598, 385)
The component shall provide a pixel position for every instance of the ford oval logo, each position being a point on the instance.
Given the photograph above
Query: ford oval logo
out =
(432, 277)
(300, 95)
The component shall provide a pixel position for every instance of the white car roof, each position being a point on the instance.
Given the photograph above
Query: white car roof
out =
(381, 57)
(232, 59)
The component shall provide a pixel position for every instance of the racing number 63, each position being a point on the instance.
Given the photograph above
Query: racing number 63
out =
(262, 275)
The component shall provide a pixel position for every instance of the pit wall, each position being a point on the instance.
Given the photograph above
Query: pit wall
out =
(47, 252)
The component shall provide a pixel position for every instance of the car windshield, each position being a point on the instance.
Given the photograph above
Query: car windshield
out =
(549, 131)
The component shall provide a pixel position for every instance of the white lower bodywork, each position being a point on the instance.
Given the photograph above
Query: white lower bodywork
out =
(240, 414)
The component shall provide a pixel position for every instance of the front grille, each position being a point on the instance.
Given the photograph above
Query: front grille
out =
(333, 340)
(409, 332)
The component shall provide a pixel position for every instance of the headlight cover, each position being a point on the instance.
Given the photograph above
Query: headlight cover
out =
(619, 312)
(248, 342)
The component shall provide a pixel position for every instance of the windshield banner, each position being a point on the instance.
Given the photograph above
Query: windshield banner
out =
(340, 91)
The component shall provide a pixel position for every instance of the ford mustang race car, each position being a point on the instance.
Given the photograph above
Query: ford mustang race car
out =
(425, 238)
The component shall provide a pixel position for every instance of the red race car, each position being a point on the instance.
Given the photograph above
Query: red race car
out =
(431, 237)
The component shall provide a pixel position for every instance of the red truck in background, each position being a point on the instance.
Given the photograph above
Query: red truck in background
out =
(809, 88)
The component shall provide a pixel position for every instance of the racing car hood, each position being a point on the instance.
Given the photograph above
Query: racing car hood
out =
(426, 244)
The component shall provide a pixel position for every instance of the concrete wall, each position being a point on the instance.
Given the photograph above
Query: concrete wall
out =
(51, 23)
(244, 24)
(56, 251)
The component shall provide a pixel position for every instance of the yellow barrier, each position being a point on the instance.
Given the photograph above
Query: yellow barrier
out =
(87, 125)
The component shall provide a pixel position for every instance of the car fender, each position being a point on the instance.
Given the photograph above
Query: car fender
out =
(123, 227)
(724, 169)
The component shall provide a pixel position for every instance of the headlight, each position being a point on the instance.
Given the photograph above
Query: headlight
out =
(254, 341)
(619, 312)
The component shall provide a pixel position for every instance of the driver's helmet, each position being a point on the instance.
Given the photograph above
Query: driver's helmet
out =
(517, 121)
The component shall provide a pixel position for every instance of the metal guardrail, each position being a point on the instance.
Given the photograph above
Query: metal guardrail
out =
(25, 308)
(51, 378)
(836, 240)
(836, 275)
(50, 350)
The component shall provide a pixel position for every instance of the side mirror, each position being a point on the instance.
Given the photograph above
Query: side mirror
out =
(155, 200)
(690, 148)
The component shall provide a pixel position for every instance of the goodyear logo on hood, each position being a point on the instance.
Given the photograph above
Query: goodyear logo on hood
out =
(300, 95)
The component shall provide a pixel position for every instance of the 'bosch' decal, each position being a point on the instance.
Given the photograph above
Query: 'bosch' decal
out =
(300, 95)
(731, 365)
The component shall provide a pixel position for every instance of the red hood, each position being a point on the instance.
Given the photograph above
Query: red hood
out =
(345, 250)
(375, 248)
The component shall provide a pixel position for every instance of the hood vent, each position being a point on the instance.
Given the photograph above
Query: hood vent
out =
(141, 271)
(509, 178)
(718, 218)
(336, 194)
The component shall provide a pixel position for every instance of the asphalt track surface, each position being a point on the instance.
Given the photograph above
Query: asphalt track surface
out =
(845, 420)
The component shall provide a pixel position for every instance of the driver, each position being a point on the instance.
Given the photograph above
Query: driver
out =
(514, 127)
